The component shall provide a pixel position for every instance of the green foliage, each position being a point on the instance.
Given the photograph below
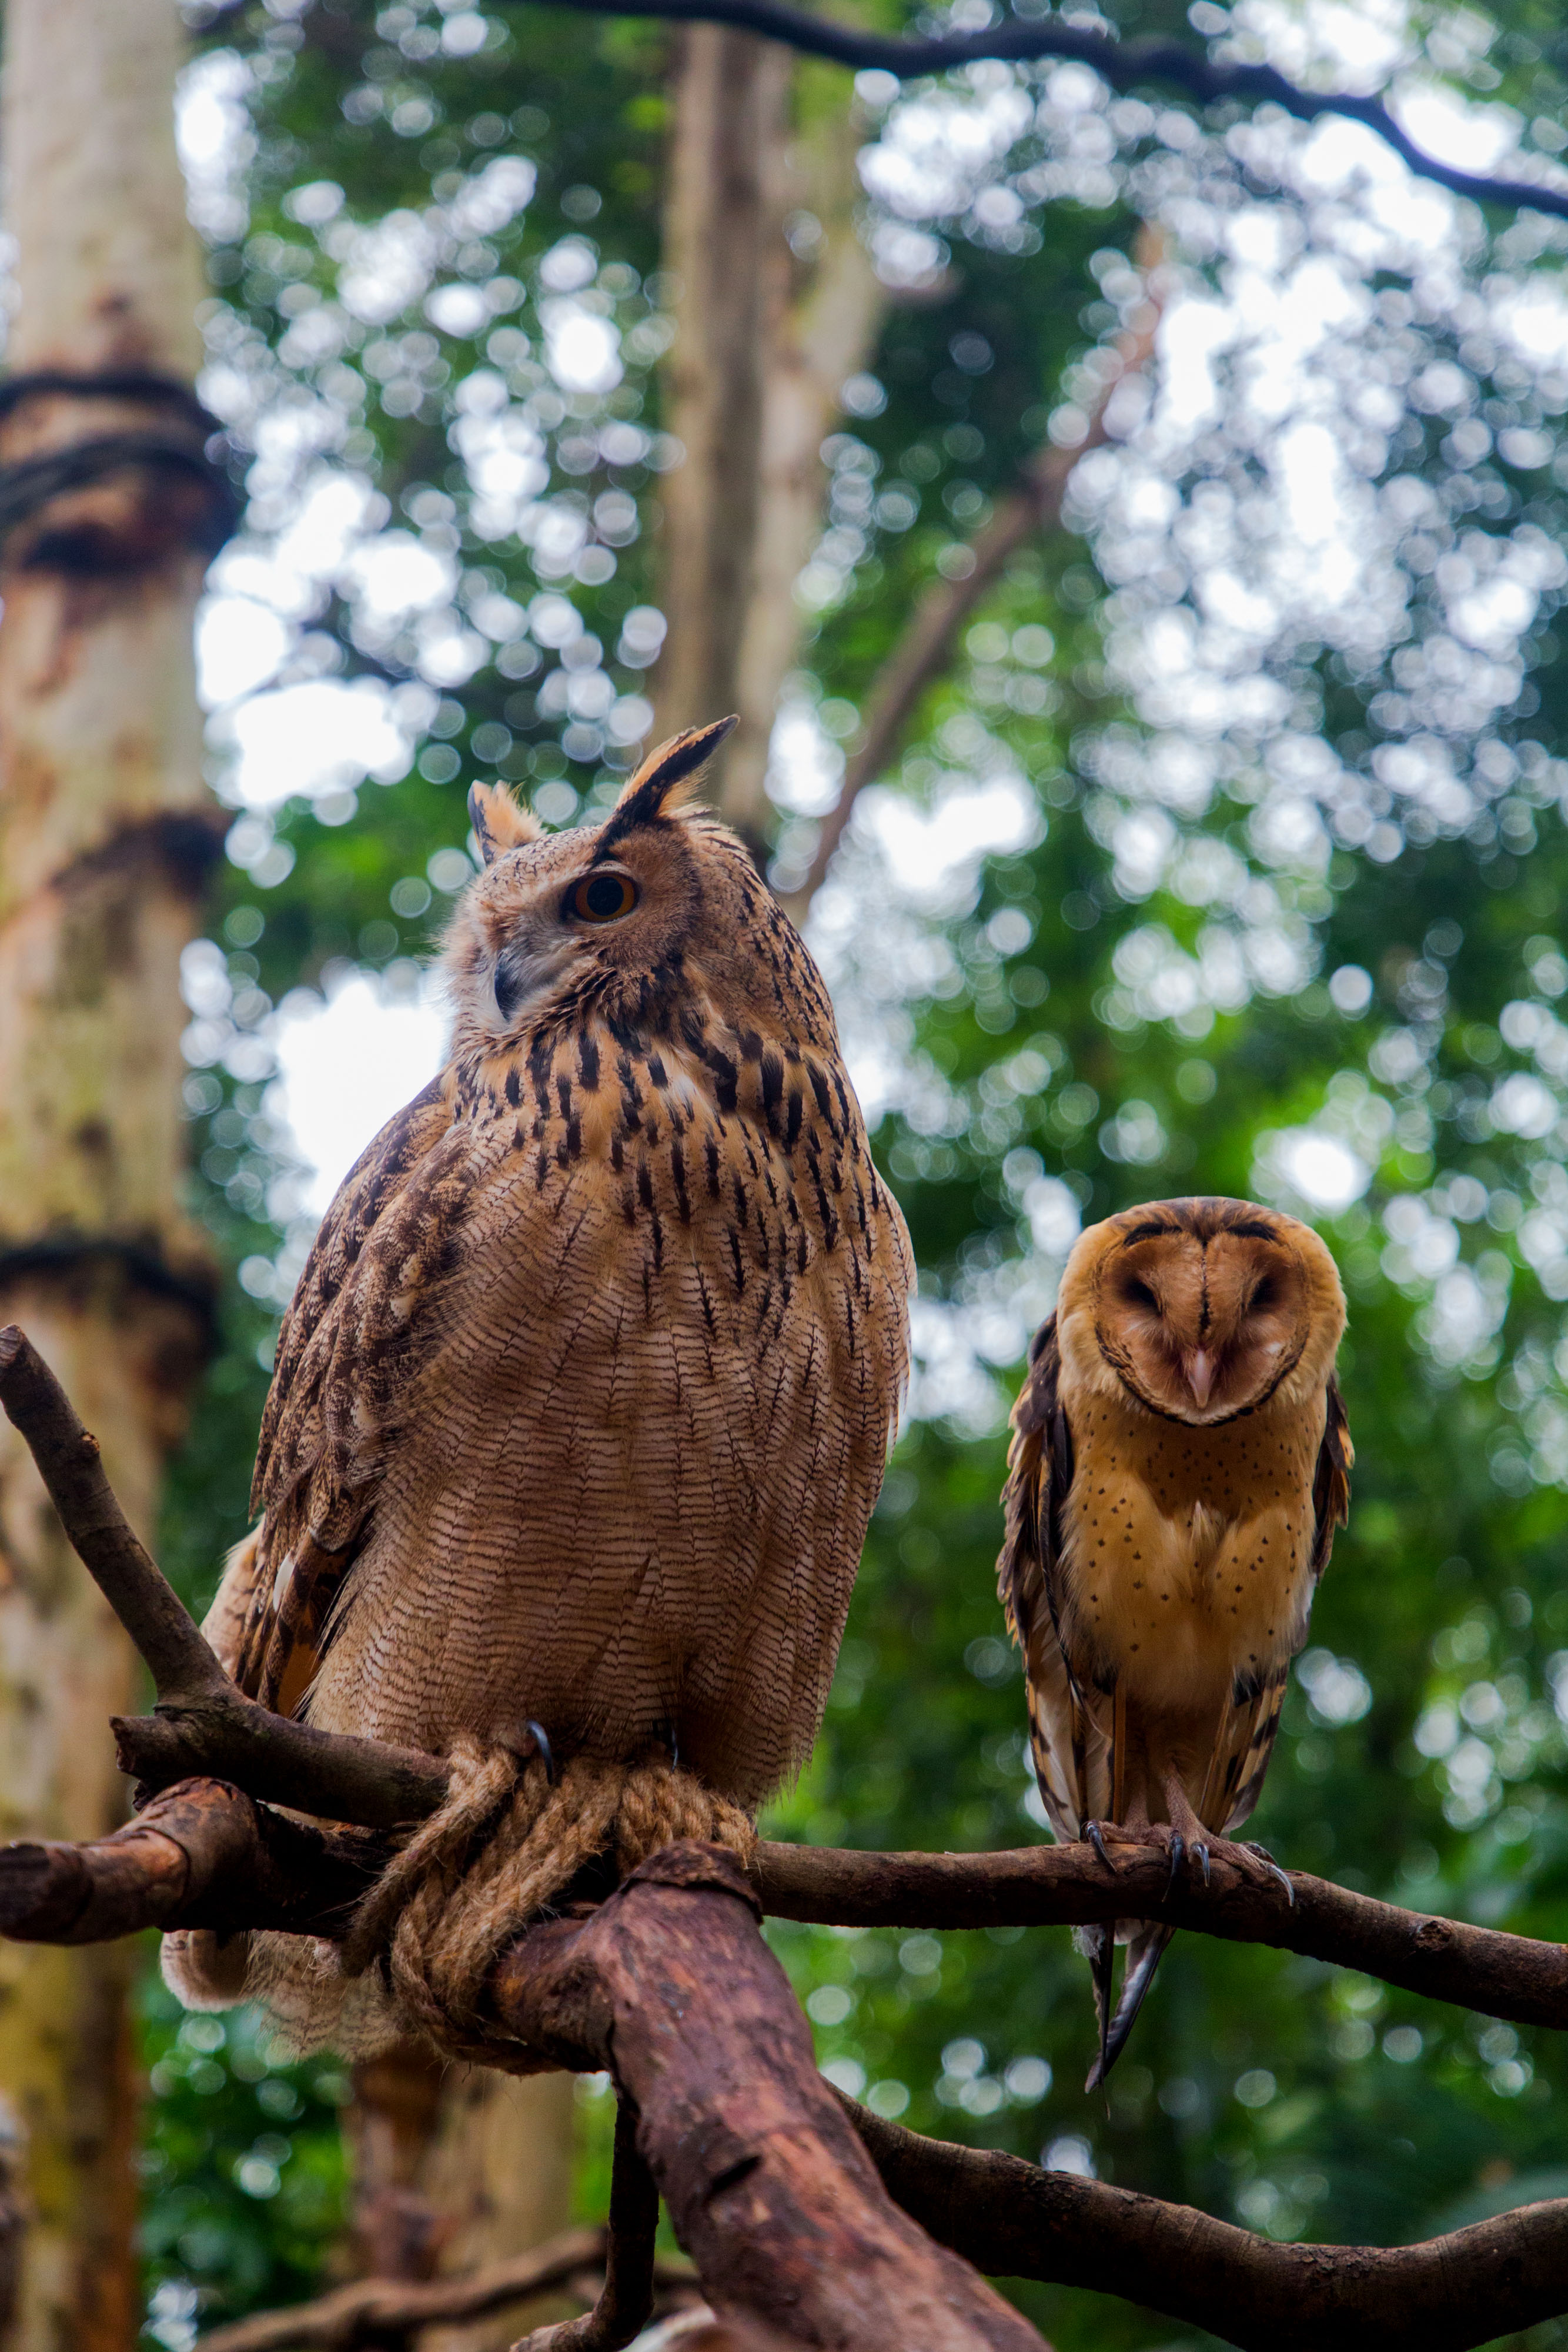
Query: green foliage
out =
(1058, 1031)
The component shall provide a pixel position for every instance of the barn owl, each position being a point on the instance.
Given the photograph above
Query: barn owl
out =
(1180, 1463)
(584, 1397)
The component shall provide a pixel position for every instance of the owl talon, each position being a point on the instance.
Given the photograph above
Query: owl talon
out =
(1268, 1862)
(1178, 1849)
(1202, 1852)
(546, 1752)
(1095, 1837)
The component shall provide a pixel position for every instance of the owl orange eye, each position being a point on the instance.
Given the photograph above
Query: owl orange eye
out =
(602, 897)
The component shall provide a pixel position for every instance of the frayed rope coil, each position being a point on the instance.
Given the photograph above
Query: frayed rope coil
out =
(503, 1847)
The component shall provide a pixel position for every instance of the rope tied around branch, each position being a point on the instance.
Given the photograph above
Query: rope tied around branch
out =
(500, 1852)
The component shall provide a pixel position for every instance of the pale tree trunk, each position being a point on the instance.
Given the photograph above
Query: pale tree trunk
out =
(776, 305)
(105, 837)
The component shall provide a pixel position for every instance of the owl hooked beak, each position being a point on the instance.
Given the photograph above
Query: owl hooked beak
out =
(1198, 1370)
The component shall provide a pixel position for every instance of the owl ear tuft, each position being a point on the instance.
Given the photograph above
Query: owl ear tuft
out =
(500, 823)
(667, 778)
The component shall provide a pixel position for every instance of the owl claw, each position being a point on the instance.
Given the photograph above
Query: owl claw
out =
(1203, 1857)
(1095, 1837)
(1178, 1848)
(1268, 1862)
(546, 1752)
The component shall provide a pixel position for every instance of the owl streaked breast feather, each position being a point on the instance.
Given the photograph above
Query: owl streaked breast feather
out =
(585, 1395)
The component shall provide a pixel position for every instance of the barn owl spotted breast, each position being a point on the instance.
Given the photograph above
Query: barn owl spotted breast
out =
(1180, 1463)
(584, 1397)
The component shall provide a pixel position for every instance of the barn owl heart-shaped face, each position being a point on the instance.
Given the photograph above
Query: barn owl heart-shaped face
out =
(1203, 1309)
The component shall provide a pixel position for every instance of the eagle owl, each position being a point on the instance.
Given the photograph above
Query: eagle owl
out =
(584, 1397)
(1180, 1463)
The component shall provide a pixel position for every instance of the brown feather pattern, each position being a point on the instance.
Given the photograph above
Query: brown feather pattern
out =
(584, 1397)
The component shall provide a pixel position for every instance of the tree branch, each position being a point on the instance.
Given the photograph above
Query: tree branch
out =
(203, 1856)
(625, 2304)
(202, 1723)
(1124, 64)
(719, 2079)
(669, 1984)
(380, 2307)
(1014, 2220)
(1514, 1977)
(925, 649)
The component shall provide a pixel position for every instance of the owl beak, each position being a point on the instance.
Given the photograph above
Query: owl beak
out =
(1198, 1370)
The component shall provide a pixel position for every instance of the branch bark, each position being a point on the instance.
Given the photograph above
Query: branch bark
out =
(925, 649)
(1014, 2220)
(1124, 64)
(768, 2187)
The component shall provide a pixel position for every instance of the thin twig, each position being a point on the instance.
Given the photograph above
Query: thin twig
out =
(625, 2305)
(1124, 64)
(202, 1723)
(1014, 2220)
(395, 2306)
(925, 649)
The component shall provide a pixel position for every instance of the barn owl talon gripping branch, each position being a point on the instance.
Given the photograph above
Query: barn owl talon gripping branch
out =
(585, 1394)
(1180, 1463)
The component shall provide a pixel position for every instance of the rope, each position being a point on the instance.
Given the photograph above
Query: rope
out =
(502, 1849)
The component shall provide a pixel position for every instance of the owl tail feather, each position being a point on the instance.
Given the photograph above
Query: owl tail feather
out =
(1142, 1958)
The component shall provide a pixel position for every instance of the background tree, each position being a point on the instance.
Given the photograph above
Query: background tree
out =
(1228, 852)
(105, 841)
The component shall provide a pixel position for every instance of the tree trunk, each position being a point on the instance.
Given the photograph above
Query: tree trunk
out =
(776, 304)
(455, 2167)
(105, 837)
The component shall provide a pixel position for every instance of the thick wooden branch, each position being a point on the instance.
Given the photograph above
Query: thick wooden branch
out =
(202, 1723)
(200, 1854)
(924, 649)
(1125, 65)
(728, 2089)
(1014, 2220)
(768, 2186)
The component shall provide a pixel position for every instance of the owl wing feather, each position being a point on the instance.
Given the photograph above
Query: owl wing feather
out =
(346, 1347)
(1069, 1734)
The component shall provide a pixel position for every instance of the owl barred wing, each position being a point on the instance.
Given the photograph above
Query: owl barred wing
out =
(1070, 1742)
(1331, 1482)
(344, 1351)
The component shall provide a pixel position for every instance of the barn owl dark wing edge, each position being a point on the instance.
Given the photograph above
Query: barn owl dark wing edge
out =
(1029, 1576)
(1331, 1481)
(337, 1326)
